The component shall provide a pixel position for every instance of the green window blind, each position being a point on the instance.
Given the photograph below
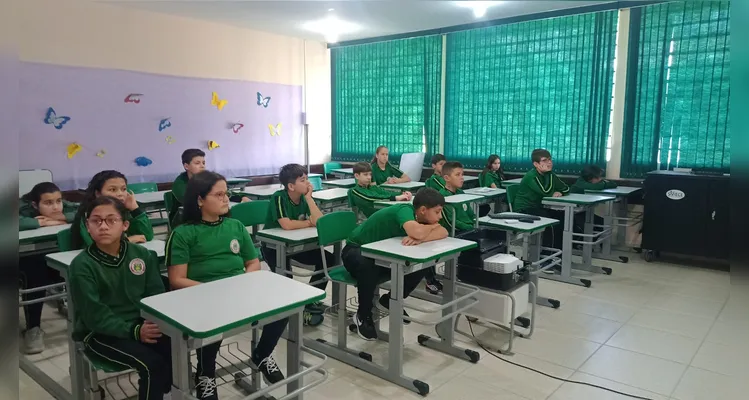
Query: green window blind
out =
(676, 110)
(537, 84)
(386, 93)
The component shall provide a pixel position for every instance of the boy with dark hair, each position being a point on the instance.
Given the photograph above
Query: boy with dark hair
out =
(193, 161)
(436, 181)
(418, 223)
(592, 178)
(365, 193)
(294, 208)
(465, 218)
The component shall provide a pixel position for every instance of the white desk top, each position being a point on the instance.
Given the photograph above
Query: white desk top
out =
(66, 257)
(40, 233)
(292, 236)
(344, 183)
(486, 192)
(517, 226)
(512, 181)
(403, 186)
(621, 191)
(462, 198)
(428, 251)
(238, 180)
(330, 194)
(151, 197)
(262, 190)
(575, 198)
(213, 308)
(349, 171)
(388, 203)
(469, 178)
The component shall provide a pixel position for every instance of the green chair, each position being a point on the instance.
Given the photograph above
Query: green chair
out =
(252, 214)
(512, 190)
(144, 187)
(171, 209)
(329, 167)
(316, 182)
(64, 240)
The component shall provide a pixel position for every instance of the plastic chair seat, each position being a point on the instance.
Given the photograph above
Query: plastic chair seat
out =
(340, 274)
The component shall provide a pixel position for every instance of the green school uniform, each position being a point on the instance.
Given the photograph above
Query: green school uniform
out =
(363, 198)
(436, 182)
(27, 214)
(534, 187)
(384, 224)
(281, 206)
(179, 187)
(465, 218)
(486, 178)
(106, 290)
(581, 185)
(380, 176)
(140, 224)
(211, 250)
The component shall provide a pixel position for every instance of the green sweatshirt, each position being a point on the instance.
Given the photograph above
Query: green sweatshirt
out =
(436, 182)
(27, 214)
(380, 176)
(140, 224)
(581, 185)
(179, 186)
(106, 290)
(363, 198)
(465, 219)
(486, 178)
(534, 187)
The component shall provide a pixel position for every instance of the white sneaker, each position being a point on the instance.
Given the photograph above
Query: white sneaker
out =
(33, 341)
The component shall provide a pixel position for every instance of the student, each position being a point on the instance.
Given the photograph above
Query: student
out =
(436, 181)
(209, 247)
(364, 194)
(538, 183)
(42, 206)
(193, 161)
(113, 184)
(383, 171)
(294, 208)
(592, 178)
(418, 223)
(465, 218)
(108, 279)
(492, 174)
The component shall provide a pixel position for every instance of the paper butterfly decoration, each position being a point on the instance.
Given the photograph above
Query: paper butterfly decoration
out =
(170, 140)
(73, 149)
(236, 127)
(275, 130)
(216, 102)
(212, 145)
(164, 123)
(143, 161)
(262, 101)
(101, 153)
(133, 98)
(52, 119)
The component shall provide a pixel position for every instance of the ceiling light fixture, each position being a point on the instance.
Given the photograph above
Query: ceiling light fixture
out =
(479, 7)
(331, 28)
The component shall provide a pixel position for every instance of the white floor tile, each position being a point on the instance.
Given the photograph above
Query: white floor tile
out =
(732, 333)
(599, 308)
(726, 360)
(574, 391)
(575, 324)
(679, 324)
(465, 388)
(654, 343)
(699, 384)
(637, 370)
(686, 305)
(558, 349)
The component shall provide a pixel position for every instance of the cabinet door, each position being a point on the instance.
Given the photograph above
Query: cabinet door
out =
(718, 219)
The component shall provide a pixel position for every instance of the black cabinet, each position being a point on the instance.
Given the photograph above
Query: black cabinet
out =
(686, 214)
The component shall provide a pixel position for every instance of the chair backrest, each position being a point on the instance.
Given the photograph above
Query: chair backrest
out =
(251, 213)
(143, 187)
(512, 190)
(335, 227)
(64, 240)
(329, 167)
(316, 182)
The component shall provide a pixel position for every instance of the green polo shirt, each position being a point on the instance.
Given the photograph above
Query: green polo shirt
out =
(436, 182)
(363, 198)
(486, 178)
(383, 224)
(581, 185)
(211, 250)
(380, 176)
(534, 187)
(465, 218)
(281, 206)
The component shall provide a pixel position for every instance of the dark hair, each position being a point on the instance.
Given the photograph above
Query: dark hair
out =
(428, 198)
(290, 173)
(95, 185)
(362, 167)
(591, 172)
(35, 195)
(374, 159)
(437, 158)
(107, 201)
(198, 186)
(538, 154)
(448, 168)
(189, 154)
(489, 163)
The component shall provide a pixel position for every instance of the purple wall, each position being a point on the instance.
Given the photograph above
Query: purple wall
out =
(100, 119)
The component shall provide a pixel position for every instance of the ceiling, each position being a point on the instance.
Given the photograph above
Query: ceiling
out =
(374, 18)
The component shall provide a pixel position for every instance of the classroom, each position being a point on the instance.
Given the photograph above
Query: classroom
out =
(288, 200)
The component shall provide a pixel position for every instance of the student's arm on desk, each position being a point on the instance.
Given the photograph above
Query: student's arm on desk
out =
(178, 277)
(252, 265)
(424, 233)
(288, 224)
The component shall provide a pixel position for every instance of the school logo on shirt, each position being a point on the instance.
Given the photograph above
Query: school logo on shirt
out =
(234, 246)
(137, 266)
(302, 217)
(465, 207)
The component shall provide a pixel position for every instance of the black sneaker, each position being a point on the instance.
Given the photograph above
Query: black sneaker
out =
(317, 307)
(270, 370)
(205, 388)
(384, 304)
(365, 327)
(311, 319)
(434, 286)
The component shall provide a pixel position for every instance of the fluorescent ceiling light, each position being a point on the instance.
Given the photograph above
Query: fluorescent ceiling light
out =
(479, 7)
(331, 27)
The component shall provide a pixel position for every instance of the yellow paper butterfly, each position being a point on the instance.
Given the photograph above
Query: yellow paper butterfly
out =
(212, 145)
(170, 140)
(216, 102)
(275, 130)
(73, 149)
(101, 153)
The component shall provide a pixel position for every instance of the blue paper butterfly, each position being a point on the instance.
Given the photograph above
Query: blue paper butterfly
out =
(164, 123)
(262, 101)
(52, 119)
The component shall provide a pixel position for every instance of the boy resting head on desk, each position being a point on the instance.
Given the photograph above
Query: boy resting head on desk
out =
(592, 178)
(365, 193)
(418, 223)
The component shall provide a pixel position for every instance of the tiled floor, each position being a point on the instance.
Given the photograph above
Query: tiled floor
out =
(653, 330)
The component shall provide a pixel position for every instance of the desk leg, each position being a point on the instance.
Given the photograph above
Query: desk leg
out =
(76, 359)
(293, 352)
(336, 288)
(532, 253)
(566, 273)
(281, 261)
(180, 368)
(609, 221)
(587, 253)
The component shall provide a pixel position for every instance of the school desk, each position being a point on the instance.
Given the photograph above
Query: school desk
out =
(261, 192)
(200, 315)
(387, 203)
(342, 172)
(512, 181)
(491, 196)
(404, 187)
(618, 217)
(39, 240)
(470, 181)
(572, 204)
(403, 260)
(331, 199)
(340, 183)
(237, 183)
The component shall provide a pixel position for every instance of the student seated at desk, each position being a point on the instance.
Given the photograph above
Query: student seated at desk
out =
(209, 247)
(418, 223)
(383, 171)
(591, 178)
(113, 184)
(42, 206)
(294, 208)
(436, 181)
(492, 175)
(107, 281)
(538, 183)
(364, 194)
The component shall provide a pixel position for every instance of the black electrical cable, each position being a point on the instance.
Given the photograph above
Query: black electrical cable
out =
(470, 325)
